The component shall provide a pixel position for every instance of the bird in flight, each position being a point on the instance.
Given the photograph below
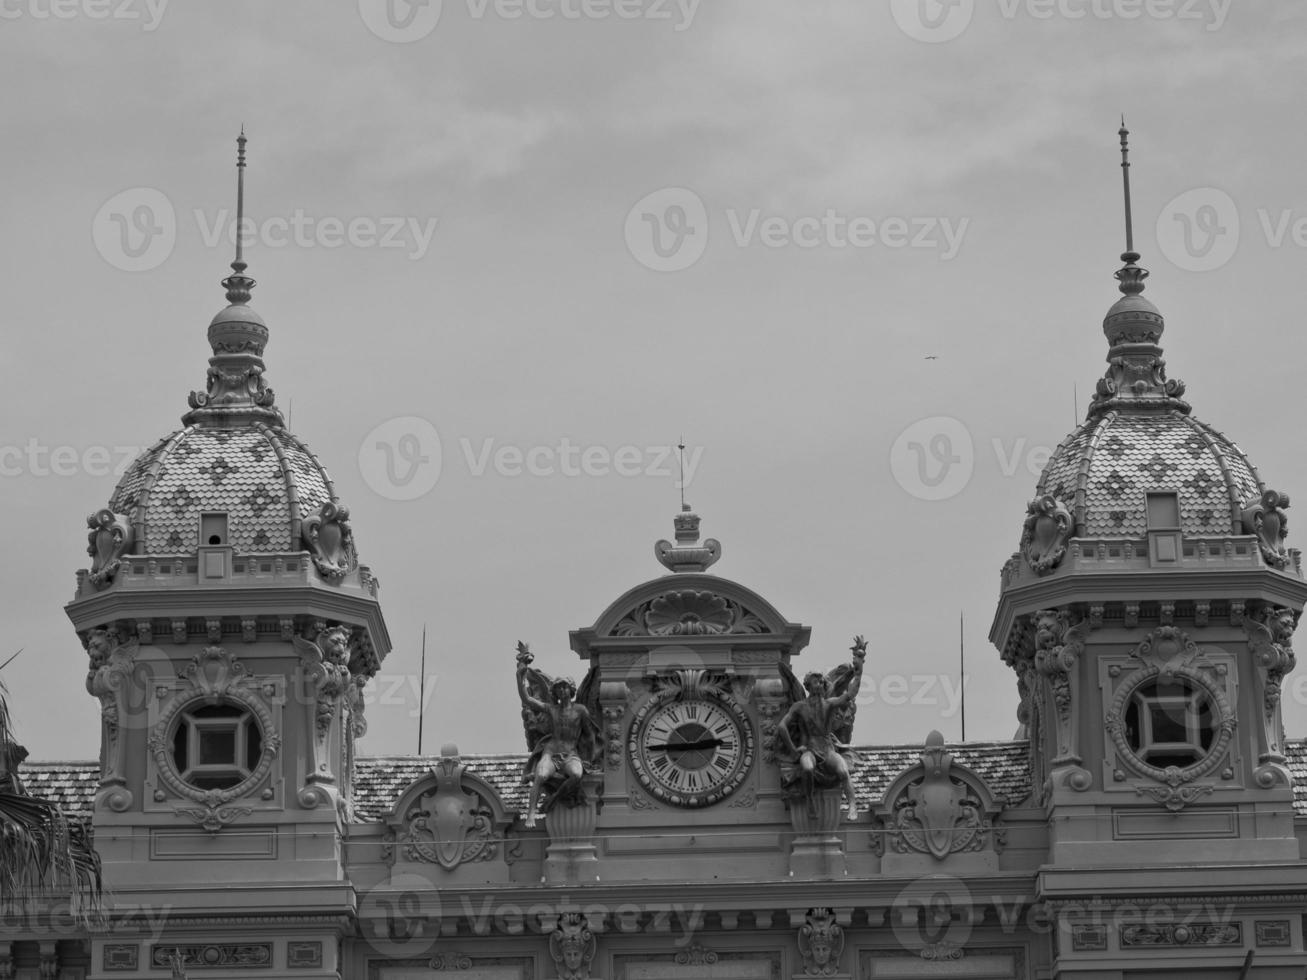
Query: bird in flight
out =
(932, 357)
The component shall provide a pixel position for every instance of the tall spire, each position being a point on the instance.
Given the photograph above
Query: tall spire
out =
(1136, 378)
(238, 285)
(1130, 276)
(235, 390)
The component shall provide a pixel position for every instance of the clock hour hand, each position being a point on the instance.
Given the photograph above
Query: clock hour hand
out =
(704, 743)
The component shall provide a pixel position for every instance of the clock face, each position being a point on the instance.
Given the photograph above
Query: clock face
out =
(691, 752)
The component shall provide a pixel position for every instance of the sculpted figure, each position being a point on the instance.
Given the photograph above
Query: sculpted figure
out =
(562, 734)
(811, 737)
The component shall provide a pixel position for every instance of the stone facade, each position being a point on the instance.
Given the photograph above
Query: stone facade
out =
(703, 814)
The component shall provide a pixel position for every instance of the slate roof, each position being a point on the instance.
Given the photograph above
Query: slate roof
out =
(378, 782)
(262, 477)
(1130, 453)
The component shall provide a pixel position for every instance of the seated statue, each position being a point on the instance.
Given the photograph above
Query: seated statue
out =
(811, 737)
(561, 732)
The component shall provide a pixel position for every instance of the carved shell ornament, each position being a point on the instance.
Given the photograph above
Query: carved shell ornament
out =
(688, 613)
(1045, 534)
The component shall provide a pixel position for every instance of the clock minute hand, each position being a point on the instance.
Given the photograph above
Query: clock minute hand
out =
(706, 743)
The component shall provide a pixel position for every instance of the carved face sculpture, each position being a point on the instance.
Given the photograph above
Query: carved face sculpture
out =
(563, 690)
(335, 646)
(815, 683)
(572, 946)
(97, 648)
(1282, 625)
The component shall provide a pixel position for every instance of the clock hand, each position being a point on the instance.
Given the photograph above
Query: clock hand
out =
(705, 743)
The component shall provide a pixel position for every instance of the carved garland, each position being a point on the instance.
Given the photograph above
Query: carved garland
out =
(214, 675)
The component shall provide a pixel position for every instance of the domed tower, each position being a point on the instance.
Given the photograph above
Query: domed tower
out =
(230, 629)
(1148, 616)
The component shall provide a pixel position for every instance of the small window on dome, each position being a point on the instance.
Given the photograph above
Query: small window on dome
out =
(1170, 724)
(213, 529)
(1163, 511)
(216, 746)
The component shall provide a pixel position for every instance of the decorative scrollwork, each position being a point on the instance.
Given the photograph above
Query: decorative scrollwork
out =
(450, 825)
(1266, 519)
(330, 542)
(1045, 533)
(688, 612)
(109, 539)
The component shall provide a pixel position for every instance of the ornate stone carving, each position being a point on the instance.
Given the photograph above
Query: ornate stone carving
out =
(821, 943)
(179, 631)
(688, 612)
(213, 630)
(1165, 655)
(324, 667)
(455, 822)
(938, 808)
(769, 711)
(563, 736)
(687, 555)
(1196, 934)
(213, 955)
(213, 818)
(1270, 634)
(109, 539)
(330, 542)
(1059, 642)
(451, 961)
(613, 715)
(214, 675)
(109, 679)
(249, 629)
(812, 738)
(572, 946)
(1266, 519)
(1045, 534)
(696, 954)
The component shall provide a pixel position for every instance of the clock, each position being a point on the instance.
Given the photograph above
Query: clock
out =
(691, 751)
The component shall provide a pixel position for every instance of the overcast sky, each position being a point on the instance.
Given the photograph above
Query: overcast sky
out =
(804, 235)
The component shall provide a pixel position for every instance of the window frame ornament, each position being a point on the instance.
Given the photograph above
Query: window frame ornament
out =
(1168, 655)
(214, 676)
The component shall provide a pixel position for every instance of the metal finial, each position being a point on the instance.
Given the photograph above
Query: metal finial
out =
(238, 285)
(680, 454)
(1130, 276)
(1125, 179)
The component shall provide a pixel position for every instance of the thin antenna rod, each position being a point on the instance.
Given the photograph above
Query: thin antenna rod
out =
(240, 198)
(11, 659)
(422, 686)
(680, 453)
(1075, 405)
(962, 669)
(1125, 180)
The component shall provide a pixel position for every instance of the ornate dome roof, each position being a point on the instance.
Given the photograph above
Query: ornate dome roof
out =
(263, 478)
(1101, 472)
